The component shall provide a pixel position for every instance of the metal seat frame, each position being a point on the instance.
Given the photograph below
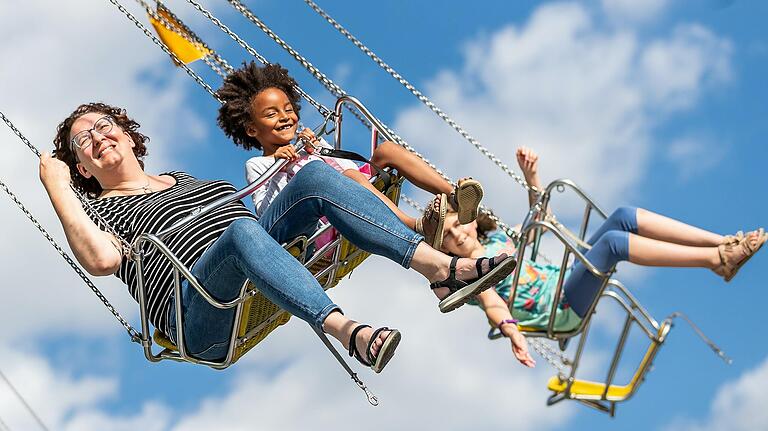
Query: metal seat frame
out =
(533, 227)
(635, 314)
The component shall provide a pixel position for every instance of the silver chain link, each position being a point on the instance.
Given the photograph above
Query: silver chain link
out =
(323, 110)
(133, 333)
(556, 359)
(424, 99)
(165, 49)
(212, 59)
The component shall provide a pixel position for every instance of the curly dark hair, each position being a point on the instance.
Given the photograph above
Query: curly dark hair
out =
(66, 153)
(238, 91)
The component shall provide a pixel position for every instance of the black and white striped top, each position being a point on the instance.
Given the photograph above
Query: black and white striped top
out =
(130, 216)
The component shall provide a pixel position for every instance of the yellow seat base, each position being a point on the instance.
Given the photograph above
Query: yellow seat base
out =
(259, 318)
(587, 390)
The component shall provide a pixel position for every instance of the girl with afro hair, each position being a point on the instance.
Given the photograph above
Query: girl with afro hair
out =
(261, 111)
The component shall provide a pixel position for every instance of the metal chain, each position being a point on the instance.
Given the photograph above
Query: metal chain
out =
(545, 352)
(323, 110)
(165, 49)
(124, 244)
(133, 333)
(215, 67)
(421, 97)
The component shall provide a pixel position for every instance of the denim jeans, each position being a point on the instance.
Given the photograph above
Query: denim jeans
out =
(318, 190)
(610, 245)
(246, 250)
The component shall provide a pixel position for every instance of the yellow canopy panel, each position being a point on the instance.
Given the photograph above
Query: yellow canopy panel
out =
(185, 50)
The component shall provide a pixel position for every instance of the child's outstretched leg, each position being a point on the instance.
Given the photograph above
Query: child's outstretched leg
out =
(656, 226)
(317, 190)
(390, 155)
(651, 225)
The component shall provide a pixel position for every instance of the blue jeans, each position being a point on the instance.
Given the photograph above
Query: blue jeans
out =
(610, 245)
(246, 250)
(318, 190)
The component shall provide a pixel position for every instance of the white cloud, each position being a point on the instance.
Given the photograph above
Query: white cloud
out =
(63, 401)
(586, 97)
(435, 380)
(675, 69)
(738, 406)
(633, 11)
(694, 155)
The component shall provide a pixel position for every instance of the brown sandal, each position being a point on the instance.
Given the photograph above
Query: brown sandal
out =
(465, 199)
(435, 216)
(728, 266)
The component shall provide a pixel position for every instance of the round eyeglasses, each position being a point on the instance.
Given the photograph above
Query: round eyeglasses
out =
(84, 138)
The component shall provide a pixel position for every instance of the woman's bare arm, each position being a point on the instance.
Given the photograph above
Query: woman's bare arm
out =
(99, 252)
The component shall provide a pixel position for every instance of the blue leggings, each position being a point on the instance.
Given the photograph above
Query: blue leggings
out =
(610, 245)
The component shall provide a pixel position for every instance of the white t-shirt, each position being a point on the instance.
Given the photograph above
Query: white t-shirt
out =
(264, 195)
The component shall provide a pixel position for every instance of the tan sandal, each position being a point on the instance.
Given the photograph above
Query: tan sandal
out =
(465, 199)
(728, 265)
(733, 239)
(435, 216)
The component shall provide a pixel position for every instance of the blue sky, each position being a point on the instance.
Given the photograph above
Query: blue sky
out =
(653, 103)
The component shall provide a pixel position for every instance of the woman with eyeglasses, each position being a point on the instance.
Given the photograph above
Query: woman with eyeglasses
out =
(100, 151)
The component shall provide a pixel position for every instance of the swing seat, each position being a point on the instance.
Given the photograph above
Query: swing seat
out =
(585, 389)
(260, 317)
(594, 391)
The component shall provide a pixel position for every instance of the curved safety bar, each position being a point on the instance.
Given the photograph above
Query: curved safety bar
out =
(186, 273)
(564, 182)
(378, 126)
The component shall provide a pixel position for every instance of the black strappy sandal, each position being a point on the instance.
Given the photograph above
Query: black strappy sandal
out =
(462, 291)
(386, 352)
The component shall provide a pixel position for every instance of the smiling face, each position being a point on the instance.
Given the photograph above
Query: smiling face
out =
(106, 148)
(273, 119)
(460, 239)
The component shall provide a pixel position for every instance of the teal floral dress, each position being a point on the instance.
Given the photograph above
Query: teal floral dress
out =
(535, 289)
